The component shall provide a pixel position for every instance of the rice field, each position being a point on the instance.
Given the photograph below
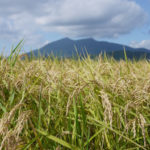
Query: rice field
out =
(83, 104)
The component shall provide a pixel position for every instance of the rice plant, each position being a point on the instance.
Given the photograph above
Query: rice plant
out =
(82, 104)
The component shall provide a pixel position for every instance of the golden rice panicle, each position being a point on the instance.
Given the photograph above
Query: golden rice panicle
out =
(142, 123)
(134, 128)
(108, 114)
(11, 136)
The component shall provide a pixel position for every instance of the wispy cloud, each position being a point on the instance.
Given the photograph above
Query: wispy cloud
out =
(141, 44)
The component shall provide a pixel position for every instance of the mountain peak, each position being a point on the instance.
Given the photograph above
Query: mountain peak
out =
(66, 39)
(65, 47)
(87, 39)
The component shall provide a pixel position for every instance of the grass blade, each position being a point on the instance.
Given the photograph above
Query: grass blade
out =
(57, 140)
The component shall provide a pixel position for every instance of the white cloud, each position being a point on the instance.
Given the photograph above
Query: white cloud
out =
(74, 18)
(17, 21)
(99, 18)
(141, 44)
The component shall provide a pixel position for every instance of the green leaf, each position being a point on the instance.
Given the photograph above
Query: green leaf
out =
(3, 108)
(14, 50)
(125, 56)
(116, 132)
(96, 134)
(57, 140)
(11, 98)
(29, 144)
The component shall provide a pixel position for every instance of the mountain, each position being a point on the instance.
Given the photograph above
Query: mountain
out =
(67, 48)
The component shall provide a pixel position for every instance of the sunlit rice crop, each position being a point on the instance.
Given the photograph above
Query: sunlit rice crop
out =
(82, 104)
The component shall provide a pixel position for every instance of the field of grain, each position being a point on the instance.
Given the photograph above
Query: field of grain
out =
(82, 104)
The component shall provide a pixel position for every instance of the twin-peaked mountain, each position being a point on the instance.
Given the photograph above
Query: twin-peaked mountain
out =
(69, 48)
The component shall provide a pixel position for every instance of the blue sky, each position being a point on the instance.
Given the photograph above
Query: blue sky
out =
(39, 22)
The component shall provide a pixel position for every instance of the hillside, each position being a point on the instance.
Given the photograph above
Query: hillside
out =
(68, 48)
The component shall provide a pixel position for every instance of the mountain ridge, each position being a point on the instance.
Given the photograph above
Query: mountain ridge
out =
(67, 47)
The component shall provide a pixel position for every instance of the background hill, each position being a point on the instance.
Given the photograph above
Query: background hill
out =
(68, 48)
